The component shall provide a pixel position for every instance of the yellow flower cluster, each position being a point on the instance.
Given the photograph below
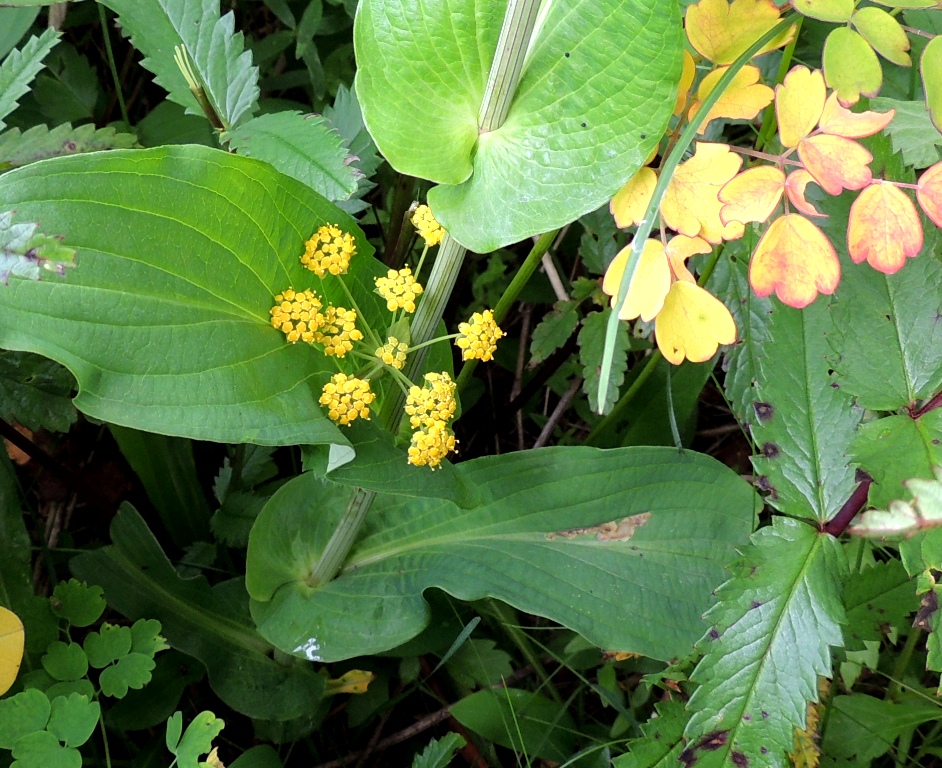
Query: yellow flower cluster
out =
(347, 398)
(477, 339)
(338, 331)
(430, 408)
(329, 250)
(427, 226)
(297, 314)
(393, 352)
(399, 288)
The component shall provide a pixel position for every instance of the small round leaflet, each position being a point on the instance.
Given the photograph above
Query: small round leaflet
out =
(11, 648)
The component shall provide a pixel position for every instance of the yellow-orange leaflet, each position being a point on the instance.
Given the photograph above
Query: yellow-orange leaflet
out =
(652, 280)
(799, 102)
(11, 648)
(796, 260)
(686, 80)
(691, 205)
(681, 248)
(840, 121)
(752, 195)
(795, 186)
(720, 31)
(883, 228)
(929, 193)
(743, 99)
(692, 324)
(631, 201)
(836, 163)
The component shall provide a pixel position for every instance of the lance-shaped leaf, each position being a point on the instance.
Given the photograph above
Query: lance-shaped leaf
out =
(545, 513)
(929, 193)
(596, 92)
(931, 68)
(165, 324)
(41, 142)
(773, 629)
(836, 163)
(884, 33)
(888, 340)
(850, 66)
(802, 426)
(720, 31)
(884, 228)
(20, 67)
(217, 51)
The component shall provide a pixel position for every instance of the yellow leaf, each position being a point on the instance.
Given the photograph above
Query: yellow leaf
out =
(883, 228)
(836, 163)
(692, 324)
(720, 31)
(840, 121)
(929, 193)
(795, 189)
(796, 260)
(631, 201)
(752, 195)
(691, 205)
(354, 681)
(686, 80)
(213, 759)
(799, 101)
(649, 286)
(12, 639)
(744, 98)
(681, 248)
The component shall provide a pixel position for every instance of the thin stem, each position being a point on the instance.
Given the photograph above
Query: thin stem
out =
(399, 234)
(600, 428)
(769, 122)
(511, 293)
(902, 662)
(519, 23)
(104, 739)
(508, 623)
(112, 66)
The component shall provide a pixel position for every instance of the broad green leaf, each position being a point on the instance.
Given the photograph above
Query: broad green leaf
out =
(591, 346)
(663, 739)
(73, 719)
(911, 131)
(217, 51)
(41, 142)
(20, 67)
(851, 68)
(896, 448)
(512, 546)
(595, 95)
(884, 33)
(35, 392)
(65, 661)
(875, 598)
(299, 146)
(773, 629)
(887, 351)
(131, 671)
(519, 720)
(140, 582)
(197, 739)
(930, 65)
(24, 713)
(43, 750)
(165, 324)
(262, 756)
(439, 752)
(802, 426)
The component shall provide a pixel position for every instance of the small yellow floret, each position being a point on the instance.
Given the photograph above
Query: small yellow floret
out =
(478, 338)
(329, 250)
(347, 398)
(297, 315)
(393, 353)
(430, 408)
(337, 331)
(427, 226)
(399, 288)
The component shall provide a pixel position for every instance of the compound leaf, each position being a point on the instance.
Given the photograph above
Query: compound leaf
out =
(20, 67)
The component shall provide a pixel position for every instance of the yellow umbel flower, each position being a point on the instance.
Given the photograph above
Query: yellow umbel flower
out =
(329, 250)
(338, 331)
(431, 445)
(347, 398)
(393, 353)
(427, 226)
(297, 314)
(400, 289)
(430, 408)
(477, 338)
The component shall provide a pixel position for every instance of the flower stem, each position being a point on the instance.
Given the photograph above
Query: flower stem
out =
(343, 537)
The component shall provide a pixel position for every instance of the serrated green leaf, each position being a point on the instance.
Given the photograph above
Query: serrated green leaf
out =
(35, 392)
(73, 719)
(69, 89)
(888, 340)
(599, 79)
(65, 661)
(802, 425)
(26, 252)
(43, 750)
(162, 236)
(896, 448)
(663, 740)
(911, 131)
(197, 739)
(591, 347)
(217, 52)
(512, 546)
(78, 603)
(554, 330)
(773, 628)
(876, 598)
(41, 142)
(439, 752)
(300, 146)
(345, 115)
(141, 582)
(108, 645)
(23, 713)
(131, 671)
(20, 67)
